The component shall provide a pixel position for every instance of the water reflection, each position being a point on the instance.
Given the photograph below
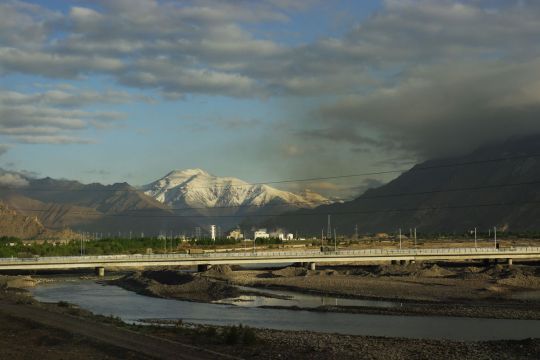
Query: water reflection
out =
(131, 307)
(293, 299)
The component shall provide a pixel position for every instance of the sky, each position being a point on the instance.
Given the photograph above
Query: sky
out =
(128, 90)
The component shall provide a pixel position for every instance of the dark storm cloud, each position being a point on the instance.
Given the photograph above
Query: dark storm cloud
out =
(443, 110)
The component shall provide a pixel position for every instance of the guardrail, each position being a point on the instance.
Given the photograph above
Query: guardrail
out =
(275, 255)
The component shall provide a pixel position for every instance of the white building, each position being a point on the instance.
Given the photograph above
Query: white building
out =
(261, 234)
(236, 235)
(282, 236)
(213, 232)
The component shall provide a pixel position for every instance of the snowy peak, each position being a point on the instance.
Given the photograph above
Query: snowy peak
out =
(196, 188)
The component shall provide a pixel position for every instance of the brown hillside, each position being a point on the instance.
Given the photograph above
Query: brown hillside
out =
(14, 224)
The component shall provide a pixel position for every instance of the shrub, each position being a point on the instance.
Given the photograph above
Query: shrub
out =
(63, 304)
(232, 335)
(210, 332)
(249, 338)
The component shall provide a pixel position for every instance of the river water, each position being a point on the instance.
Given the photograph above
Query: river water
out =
(132, 307)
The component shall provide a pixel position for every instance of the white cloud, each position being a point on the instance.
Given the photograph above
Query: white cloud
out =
(49, 117)
(52, 139)
(11, 179)
(411, 72)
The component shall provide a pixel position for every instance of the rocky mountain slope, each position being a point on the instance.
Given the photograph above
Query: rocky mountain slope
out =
(224, 200)
(17, 225)
(108, 209)
(496, 185)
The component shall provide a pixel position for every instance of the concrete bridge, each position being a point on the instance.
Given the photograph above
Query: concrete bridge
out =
(308, 257)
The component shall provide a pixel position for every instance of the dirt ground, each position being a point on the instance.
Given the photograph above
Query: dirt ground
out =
(459, 289)
(26, 339)
(178, 285)
(30, 330)
(302, 345)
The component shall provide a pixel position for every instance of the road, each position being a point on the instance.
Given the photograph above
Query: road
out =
(307, 256)
(123, 338)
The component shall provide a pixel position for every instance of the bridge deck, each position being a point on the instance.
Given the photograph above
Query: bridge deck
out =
(368, 255)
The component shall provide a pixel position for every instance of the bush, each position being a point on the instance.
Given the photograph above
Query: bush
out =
(210, 332)
(63, 304)
(239, 334)
(232, 335)
(249, 338)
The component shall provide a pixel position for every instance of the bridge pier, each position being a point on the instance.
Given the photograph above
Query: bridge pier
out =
(510, 262)
(312, 266)
(203, 267)
(100, 271)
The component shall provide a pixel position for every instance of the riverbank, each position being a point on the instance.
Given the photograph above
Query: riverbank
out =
(443, 289)
(69, 320)
(300, 345)
(177, 285)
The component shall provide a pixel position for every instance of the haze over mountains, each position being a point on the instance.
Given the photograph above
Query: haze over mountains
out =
(444, 196)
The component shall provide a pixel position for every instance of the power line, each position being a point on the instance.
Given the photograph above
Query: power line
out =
(361, 198)
(417, 168)
(472, 188)
(324, 213)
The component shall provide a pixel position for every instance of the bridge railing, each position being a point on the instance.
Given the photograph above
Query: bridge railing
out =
(275, 254)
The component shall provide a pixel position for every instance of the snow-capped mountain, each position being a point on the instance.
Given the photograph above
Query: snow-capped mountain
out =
(197, 190)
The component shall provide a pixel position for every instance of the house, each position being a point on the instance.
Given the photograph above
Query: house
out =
(235, 234)
(261, 234)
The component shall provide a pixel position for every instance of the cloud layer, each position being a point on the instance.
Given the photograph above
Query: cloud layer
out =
(420, 78)
(55, 117)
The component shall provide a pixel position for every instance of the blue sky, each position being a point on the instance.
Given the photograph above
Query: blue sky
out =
(128, 90)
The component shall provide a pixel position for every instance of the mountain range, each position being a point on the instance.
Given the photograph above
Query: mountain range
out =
(496, 185)
(225, 201)
(178, 202)
(109, 209)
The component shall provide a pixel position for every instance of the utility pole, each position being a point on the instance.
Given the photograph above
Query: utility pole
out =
(414, 237)
(335, 240)
(322, 237)
(164, 241)
(495, 235)
(356, 232)
(399, 238)
(475, 242)
(329, 229)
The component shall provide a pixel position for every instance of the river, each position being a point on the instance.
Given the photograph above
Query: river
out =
(132, 307)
